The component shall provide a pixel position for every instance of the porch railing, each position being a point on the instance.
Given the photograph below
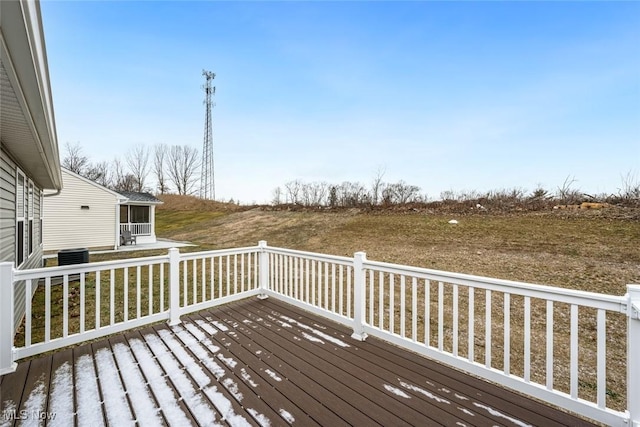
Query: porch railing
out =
(554, 344)
(136, 228)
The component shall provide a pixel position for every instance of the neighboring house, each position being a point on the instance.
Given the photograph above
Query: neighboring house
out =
(87, 215)
(29, 159)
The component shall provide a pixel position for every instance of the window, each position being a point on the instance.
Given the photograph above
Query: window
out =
(139, 214)
(20, 217)
(124, 214)
(30, 235)
(41, 215)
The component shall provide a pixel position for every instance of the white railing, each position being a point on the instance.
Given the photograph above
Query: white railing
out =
(87, 301)
(136, 228)
(551, 343)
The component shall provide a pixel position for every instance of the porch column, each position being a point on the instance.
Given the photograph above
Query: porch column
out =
(174, 287)
(633, 355)
(7, 365)
(264, 269)
(359, 296)
(152, 220)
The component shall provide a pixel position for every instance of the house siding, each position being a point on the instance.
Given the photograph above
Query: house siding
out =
(7, 207)
(68, 226)
(8, 170)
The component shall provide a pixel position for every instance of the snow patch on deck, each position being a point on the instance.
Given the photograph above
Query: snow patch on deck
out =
(115, 400)
(424, 392)
(207, 327)
(396, 391)
(272, 374)
(159, 383)
(247, 377)
(88, 406)
(496, 413)
(321, 334)
(286, 415)
(311, 338)
(60, 398)
(260, 418)
(138, 392)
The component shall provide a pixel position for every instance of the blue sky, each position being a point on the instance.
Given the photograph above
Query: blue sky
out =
(444, 95)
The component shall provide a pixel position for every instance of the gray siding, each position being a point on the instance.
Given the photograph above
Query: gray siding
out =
(8, 229)
(7, 208)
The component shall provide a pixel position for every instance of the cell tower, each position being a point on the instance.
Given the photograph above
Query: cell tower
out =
(207, 185)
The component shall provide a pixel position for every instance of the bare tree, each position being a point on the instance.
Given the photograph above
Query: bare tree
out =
(122, 180)
(566, 193)
(183, 163)
(75, 160)
(277, 196)
(293, 191)
(376, 185)
(138, 162)
(100, 173)
(159, 163)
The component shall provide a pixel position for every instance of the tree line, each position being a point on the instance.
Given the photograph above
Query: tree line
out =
(348, 194)
(160, 169)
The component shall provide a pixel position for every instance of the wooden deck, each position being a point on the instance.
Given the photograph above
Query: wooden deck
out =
(255, 362)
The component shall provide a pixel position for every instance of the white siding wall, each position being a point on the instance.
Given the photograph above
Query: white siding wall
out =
(67, 226)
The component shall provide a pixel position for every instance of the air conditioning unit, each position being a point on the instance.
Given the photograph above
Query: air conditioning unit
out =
(73, 256)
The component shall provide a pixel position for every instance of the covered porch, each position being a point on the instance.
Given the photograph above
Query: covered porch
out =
(137, 216)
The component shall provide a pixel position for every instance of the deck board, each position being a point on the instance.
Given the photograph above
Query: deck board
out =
(259, 362)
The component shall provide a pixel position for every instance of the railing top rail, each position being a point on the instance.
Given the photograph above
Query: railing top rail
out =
(38, 273)
(590, 299)
(218, 252)
(313, 255)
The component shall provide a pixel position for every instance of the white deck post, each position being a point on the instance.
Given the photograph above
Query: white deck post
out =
(264, 269)
(174, 287)
(7, 365)
(359, 296)
(633, 355)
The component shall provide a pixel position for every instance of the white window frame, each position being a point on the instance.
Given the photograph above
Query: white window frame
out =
(21, 217)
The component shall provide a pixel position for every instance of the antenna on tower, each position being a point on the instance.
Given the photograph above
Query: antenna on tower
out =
(207, 185)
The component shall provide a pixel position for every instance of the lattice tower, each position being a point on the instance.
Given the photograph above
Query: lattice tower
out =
(207, 183)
